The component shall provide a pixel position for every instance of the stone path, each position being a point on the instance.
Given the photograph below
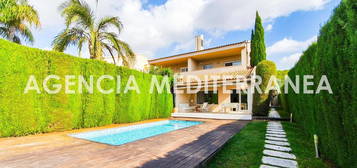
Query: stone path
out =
(273, 113)
(277, 152)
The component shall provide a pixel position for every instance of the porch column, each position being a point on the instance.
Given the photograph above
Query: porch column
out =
(250, 99)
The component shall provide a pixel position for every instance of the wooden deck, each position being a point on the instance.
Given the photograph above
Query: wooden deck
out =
(187, 147)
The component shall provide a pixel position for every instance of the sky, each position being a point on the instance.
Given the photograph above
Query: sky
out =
(160, 28)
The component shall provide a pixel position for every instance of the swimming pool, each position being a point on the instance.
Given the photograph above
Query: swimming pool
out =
(123, 135)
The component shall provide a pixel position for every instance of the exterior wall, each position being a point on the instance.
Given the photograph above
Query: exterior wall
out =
(176, 67)
(192, 65)
(218, 62)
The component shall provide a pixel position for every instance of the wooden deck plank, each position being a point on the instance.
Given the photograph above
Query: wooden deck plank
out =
(182, 148)
(197, 158)
(193, 154)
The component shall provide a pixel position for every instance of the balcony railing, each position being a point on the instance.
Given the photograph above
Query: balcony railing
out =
(213, 70)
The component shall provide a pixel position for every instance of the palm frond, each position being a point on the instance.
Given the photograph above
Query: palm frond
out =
(79, 13)
(123, 50)
(127, 54)
(16, 16)
(28, 14)
(106, 22)
(80, 45)
(83, 28)
(69, 37)
(110, 50)
(4, 32)
(68, 3)
(26, 34)
(16, 39)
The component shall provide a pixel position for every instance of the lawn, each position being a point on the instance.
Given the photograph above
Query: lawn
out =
(245, 149)
(302, 145)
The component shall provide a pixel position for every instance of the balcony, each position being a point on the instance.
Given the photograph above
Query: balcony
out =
(218, 75)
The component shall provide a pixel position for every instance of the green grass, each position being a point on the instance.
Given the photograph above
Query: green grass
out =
(245, 149)
(302, 145)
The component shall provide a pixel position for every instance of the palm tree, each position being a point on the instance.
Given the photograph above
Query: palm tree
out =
(16, 18)
(82, 28)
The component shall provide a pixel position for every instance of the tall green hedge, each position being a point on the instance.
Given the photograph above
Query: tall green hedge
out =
(283, 109)
(23, 114)
(333, 117)
(265, 69)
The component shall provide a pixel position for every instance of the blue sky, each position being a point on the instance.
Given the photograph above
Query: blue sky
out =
(159, 28)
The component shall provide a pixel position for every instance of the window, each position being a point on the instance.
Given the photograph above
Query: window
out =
(207, 66)
(234, 97)
(184, 69)
(210, 97)
(233, 63)
(240, 97)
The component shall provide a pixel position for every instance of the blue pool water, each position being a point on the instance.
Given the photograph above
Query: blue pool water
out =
(122, 135)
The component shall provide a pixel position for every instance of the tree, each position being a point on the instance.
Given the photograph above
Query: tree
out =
(258, 50)
(16, 18)
(83, 28)
(265, 69)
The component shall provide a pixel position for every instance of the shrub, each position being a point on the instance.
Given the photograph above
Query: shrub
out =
(23, 114)
(331, 116)
(265, 69)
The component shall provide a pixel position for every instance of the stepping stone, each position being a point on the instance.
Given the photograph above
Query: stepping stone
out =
(279, 154)
(278, 130)
(276, 139)
(271, 123)
(276, 135)
(275, 132)
(267, 166)
(277, 148)
(279, 125)
(279, 162)
(274, 125)
(277, 143)
(274, 122)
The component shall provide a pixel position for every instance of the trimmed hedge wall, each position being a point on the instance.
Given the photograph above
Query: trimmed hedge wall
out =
(333, 117)
(23, 114)
(265, 69)
(283, 109)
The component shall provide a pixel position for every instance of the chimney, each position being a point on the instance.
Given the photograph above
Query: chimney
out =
(199, 42)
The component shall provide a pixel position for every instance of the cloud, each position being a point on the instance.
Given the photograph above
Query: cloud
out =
(289, 61)
(269, 27)
(48, 12)
(289, 45)
(239, 14)
(149, 29)
(286, 52)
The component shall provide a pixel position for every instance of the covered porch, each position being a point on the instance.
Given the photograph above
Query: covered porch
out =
(220, 93)
(229, 103)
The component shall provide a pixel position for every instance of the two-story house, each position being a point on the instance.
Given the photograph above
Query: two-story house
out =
(212, 83)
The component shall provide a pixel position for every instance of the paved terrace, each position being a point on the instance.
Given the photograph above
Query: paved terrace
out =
(187, 147)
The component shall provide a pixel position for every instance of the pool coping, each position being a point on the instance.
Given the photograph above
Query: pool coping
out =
(98, 130)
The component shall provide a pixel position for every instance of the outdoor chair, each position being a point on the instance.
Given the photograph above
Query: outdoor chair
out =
(203, 108)
(185, 108)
